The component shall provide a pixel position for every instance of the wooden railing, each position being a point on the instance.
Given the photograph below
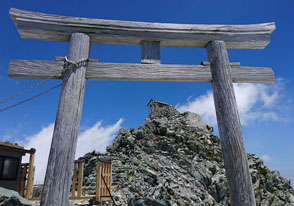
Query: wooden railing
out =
(25, 187)
(77, 180)
(103, 181)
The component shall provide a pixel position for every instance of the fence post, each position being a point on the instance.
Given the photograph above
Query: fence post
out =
(98, 181)
(29, 188)
(74, 180)
(81, 175)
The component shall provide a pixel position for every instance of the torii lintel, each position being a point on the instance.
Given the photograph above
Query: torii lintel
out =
(34, 25)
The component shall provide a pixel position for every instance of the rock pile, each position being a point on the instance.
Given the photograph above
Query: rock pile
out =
(175, 159)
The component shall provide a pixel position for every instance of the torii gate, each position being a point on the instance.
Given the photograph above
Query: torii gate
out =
(81, 32)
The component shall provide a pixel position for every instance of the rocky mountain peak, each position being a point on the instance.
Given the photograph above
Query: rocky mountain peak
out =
(167, 114)
(160, 109)
(175, 159)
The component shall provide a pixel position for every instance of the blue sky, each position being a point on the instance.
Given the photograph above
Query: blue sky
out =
(267, 111)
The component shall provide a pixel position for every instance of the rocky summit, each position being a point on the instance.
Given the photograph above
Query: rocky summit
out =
(176, 159)
(173, 159)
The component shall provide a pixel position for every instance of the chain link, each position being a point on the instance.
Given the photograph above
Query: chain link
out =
(66, 62)
(26, 90)
(29, 99)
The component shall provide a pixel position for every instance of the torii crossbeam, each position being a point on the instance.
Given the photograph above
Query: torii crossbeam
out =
(81, 32)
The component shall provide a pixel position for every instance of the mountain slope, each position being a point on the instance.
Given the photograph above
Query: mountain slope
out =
(175, 159)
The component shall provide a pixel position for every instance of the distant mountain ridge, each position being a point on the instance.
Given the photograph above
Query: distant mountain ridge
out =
(175, 159)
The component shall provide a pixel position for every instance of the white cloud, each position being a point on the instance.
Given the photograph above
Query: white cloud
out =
(41, 142)
(203, 105)
(96, 138)
(266, 158)
(255, 102)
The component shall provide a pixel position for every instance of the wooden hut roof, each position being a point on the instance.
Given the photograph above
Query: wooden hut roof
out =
(15, 147)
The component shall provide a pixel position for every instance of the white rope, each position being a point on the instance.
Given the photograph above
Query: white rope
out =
(83, 60)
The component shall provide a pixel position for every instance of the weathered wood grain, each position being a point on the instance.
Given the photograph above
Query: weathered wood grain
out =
(138, 72)
(235, 157)
(150, 52)
(61, 158)
(30, 180)
(98, 181)
(33, 25)
(35, 69)
(22, 181)
(81, 175)
(74, 180)
(204, 63)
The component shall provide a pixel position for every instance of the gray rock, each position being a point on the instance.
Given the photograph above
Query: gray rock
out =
(139, 134)
(160, 109)
(12, 198)
(152, 202)
(193, 120)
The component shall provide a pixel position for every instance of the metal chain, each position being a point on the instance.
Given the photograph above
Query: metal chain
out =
(66, 62)
(31, 98)
(26, 90)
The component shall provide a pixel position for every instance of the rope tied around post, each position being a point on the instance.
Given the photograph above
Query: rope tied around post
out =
(68, 62)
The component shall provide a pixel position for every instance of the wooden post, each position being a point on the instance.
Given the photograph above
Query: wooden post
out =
(98, 181)
(110, 177)
(29, 188)
(61, 158)
(150, 52)
(81, 175)
(235, 157)
(74, 180)
(23, 178)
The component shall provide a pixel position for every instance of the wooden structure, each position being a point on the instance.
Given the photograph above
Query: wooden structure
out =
(77, 180)
(150, 36)
(26, 181)
(103, 180)
(13, 174)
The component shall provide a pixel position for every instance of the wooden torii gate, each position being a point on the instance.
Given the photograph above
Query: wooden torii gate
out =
(81, 32)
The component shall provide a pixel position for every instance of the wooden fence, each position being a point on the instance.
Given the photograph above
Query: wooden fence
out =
(77, 180)
(103, 181)
(25, 187)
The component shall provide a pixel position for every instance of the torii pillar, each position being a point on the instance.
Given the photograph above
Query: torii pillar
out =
(229, 125)
(151, 36)
(64, 141)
